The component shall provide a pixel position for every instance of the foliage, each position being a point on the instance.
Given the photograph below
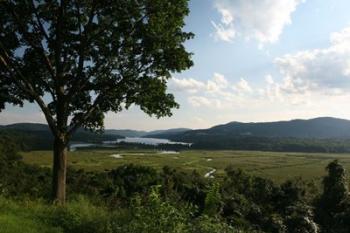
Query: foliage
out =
(154, 215)
(79, 59)
(334, 204)
(19, 216)
(68, 57)
(213, 203)
(17, 177)
(133, 198)
(233, 142)
(80, 216)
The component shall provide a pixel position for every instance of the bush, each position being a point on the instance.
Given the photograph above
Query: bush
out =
(206, 224)
(152, 215)
(80, 216)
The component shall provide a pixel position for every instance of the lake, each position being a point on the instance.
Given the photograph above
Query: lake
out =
(135, 140)
(151, 141)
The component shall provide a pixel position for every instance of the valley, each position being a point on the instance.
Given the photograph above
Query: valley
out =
(277, 166)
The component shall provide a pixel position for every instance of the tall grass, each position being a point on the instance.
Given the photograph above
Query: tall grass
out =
(23, 217)
(80, 216)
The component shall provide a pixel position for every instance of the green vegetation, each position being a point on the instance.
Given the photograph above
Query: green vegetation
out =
(82, 59)
(139, 199)
(41, 139)
(278, 166)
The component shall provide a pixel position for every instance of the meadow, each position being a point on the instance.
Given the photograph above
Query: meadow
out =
(278, 166)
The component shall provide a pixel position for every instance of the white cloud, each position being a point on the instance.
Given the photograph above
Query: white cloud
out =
(190, 85)
(320, 70)
(198, 101)
(261, 20)
(217, 92)
(220, 80)
(225, 33)
(242, 87)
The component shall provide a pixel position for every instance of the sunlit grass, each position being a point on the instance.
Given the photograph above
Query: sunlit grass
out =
(278, 166)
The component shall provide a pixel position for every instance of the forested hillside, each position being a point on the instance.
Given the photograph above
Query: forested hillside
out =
(316, 135)
(30, 136)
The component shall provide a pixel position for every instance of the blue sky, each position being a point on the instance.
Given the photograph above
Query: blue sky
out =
(254, 60)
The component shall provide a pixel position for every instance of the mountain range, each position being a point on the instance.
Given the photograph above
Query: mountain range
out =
(317, 128)
(318, 134)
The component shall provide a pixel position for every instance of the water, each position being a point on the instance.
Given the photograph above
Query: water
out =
(75, 146)
(210, 174)
(136, 140)
(116, 156)
(148, 141)
(168, 152)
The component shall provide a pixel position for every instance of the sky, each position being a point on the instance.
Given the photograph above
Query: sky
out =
(254, 61)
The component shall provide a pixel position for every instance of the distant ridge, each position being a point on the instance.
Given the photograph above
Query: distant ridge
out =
(26, 126)
(323, 134)
(137, 133)
(318, 128)
(321, 127)
(34, 136)
(33, 127)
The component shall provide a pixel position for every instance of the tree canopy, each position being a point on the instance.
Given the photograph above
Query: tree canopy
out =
(79, 59)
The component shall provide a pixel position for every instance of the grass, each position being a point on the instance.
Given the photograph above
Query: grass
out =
(23, 217)
(277, 166)
(81, 216)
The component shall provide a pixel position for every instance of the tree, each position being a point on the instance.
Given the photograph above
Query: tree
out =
(79, 59)
(333, 205)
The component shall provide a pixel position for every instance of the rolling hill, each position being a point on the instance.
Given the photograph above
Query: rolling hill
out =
(324, 134)
(318, 128)
(148, 134)
(33, 136)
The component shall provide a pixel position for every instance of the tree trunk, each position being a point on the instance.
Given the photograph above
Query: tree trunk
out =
(59, 171)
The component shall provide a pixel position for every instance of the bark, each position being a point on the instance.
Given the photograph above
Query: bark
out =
(59, 171)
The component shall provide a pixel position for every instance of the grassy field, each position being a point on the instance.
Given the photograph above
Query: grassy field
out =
(278, 166)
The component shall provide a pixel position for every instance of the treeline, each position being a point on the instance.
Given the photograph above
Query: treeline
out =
(28, 140)
(227, 142)
(140, 199)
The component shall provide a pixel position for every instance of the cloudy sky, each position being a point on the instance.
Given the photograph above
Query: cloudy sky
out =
(255, 60)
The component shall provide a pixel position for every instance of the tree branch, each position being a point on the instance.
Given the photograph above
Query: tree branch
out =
(38, 48)
(58, 42)
(83, 43)
(77, 123)
(41, 27)
(27, 88)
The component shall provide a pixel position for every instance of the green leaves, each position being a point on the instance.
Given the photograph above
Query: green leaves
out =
(92, 56)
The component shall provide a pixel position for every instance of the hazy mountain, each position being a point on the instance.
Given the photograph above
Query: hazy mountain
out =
(26, 127)
(318, 128)
(323, 127)
(32, 136)
(316, 135)
(164, 133)
(126, 132)
(137, 133)
(42, 130)
(323, 134)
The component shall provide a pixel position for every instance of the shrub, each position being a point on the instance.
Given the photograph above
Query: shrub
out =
(80, 216)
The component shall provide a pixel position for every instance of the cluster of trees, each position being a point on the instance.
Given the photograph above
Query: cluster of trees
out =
(42, 140)
(227, 142)
(150, 198)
